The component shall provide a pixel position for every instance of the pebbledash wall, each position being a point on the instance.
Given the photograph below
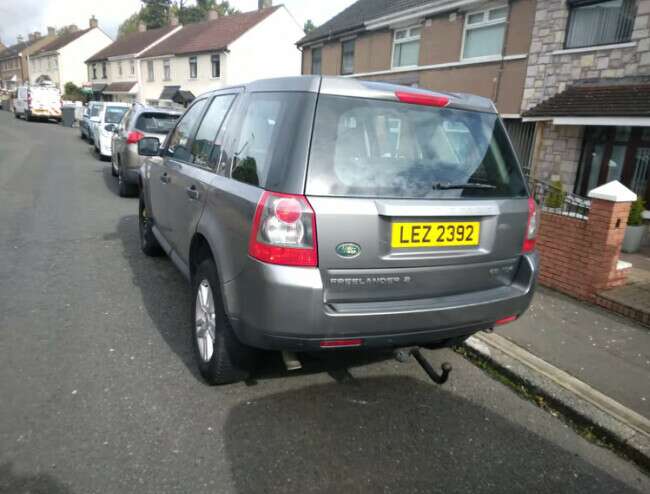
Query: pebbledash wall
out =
(551, 69)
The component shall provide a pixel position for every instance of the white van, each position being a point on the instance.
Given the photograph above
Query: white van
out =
(33, 102)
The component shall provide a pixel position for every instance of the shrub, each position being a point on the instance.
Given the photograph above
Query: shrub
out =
(636, 210)
(555, 197)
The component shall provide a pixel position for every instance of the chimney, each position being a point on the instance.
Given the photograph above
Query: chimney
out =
(19, 38)
(142, 27)
(30, 37)
(173, 19)
(93, 22)
(37, 34)
(51, 31)
(263, 4)
(73, 28)
(213, 14)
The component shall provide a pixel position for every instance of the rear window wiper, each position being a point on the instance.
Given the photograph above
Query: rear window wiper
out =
(470, 185)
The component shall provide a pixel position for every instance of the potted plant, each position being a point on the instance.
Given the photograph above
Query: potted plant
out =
(634, 230)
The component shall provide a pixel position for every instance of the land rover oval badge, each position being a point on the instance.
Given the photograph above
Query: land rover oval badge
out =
(348, 250)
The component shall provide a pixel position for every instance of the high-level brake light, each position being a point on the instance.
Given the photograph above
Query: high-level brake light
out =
(422, 99)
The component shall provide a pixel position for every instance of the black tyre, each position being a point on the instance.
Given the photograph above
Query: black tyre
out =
(16, 114)
(28, 116)
(125, 189)
(114, 170)
(148, 242)
(221, 357)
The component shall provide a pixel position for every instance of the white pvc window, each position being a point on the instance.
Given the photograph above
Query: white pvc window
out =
(167, 69)
(484, 32)
(406, 47)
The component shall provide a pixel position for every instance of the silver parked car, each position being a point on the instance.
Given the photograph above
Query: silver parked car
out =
(316, 213)
(140, 122)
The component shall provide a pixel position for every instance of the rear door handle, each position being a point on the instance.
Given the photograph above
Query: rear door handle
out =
(165, 178)
(192, 192)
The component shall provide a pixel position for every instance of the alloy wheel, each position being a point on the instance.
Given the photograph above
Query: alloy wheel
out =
(205, 321)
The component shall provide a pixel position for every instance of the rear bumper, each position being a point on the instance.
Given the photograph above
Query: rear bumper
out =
(278, 307)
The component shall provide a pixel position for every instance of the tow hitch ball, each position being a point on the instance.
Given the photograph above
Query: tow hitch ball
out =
(403, 354)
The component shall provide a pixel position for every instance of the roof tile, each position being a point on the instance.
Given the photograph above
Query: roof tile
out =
(209, 35)
(131, 43)
(60, 42)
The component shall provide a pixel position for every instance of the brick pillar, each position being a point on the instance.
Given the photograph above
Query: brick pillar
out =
(610, 207)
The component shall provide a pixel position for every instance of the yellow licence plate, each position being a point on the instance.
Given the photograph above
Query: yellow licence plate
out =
(437, 234)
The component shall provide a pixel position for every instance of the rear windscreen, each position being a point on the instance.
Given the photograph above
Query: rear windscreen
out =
(156, 123)
(94, 110)
(371, 148)
(114, 114)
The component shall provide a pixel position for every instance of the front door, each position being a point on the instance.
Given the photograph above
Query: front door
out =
(615, 153)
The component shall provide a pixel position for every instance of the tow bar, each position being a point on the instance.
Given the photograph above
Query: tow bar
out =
(402, 355)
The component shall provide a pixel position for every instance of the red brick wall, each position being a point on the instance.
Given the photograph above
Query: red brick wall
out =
(578, 257)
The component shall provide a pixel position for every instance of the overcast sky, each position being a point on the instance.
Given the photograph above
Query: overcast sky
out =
(25, 16)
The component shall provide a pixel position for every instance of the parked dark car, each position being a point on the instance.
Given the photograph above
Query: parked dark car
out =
(316, 214)
(141, 121)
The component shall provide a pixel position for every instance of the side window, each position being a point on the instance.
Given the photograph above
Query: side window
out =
(257, 138)
(207, 133)
(179, 142)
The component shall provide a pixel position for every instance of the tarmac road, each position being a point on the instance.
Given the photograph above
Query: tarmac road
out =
(99, 394)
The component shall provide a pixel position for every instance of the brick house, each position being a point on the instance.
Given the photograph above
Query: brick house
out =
(472, 46)
(587, 88)
(114, 72)
(14, 69)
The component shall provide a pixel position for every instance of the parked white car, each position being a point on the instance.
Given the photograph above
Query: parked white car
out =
(38, 102)
(109, 118)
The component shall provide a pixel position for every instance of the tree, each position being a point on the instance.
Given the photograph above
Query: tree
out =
(199, 12)
(73, 92)
(309, 26)
(62, 31)
(130, 25)
(155, 13)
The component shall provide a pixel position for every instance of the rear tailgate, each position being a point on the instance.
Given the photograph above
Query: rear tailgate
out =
(384, 231)
(46, 100)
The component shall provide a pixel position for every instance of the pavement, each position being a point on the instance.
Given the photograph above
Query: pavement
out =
(606, 351)
(633, 298)
(99, 392)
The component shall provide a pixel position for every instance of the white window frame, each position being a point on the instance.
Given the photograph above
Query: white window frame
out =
(119, 68)
(151, 71)
(167, 69)
(132, 66)
(196, 67)
(407, 39)
(483, 23)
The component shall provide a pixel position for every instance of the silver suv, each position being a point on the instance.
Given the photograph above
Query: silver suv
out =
(312, 214)
(139, 122)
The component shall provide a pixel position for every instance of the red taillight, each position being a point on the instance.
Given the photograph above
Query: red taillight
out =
(134, 137)
(284, 231)
(531, 227)
(341, 343)
(422, 99)
(505, 320)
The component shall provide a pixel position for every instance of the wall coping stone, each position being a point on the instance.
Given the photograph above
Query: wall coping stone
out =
(613, 191)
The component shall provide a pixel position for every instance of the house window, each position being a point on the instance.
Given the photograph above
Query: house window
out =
(347, 57)
(193, 69)
(55, 61)
(216, 66)
(132, 67)
(49, 63)
(119, 68)
(104, 76)
(94, 71)
(316, 59)
(594, 23)
(484, 32)
(406, 47)
(167, 69)
(150, 73)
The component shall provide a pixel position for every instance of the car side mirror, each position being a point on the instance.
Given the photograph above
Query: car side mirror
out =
(149, 146)
(110, 127)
